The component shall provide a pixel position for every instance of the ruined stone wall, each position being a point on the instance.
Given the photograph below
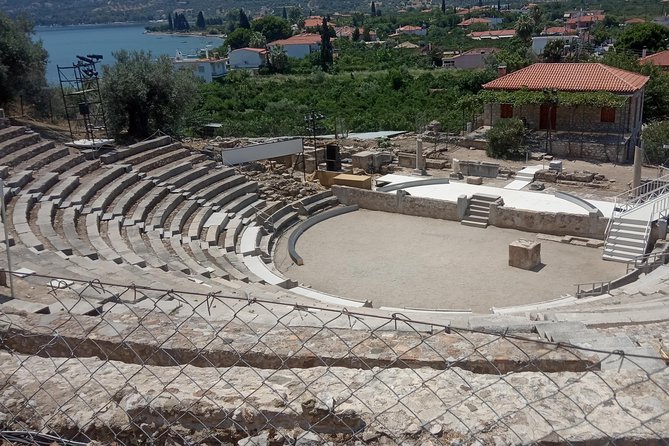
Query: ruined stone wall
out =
(590, 226)
(397, 203)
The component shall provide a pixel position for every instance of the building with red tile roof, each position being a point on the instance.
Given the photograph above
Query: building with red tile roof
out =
(558, 31)
(300, 45)
(660, 59)
(492, 34)
(313, 22)
(474, 21)
(584, 21)
(411, 30)
(589, 131)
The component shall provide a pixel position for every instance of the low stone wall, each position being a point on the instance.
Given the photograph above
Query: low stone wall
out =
(590, 226)
(397, 203)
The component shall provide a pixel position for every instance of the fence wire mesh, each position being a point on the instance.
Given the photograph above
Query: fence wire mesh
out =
(125, 364)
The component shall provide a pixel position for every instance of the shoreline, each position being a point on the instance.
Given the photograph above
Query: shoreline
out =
(189, 34)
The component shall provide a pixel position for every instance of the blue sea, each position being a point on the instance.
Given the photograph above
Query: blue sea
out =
(65, 43)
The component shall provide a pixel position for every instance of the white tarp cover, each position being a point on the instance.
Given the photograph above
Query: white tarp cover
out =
(240, 155)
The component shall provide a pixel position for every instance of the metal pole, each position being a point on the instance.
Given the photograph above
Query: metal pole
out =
(313, 130)
(4, 224)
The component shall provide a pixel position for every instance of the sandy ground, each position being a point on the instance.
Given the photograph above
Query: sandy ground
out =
(414, 262)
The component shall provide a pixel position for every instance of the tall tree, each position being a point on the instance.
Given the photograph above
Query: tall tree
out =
(355, 35)
(326, 46)
(239, 38)
(373, 9)
(524, 28)
(443, 6)
(170, 23)
(366, 36)
(200, 22)
(22, 61)
(284, 14)
(244, 20)
(142, 95)
(650, 36)
(272, 27)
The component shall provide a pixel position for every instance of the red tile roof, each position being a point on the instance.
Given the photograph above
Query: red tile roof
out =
(313, 21)
(587, 19)
(470, 22)
(299, 39)
(408, 28)
(660, 59)
(255, 50)
(570, 77)
(499, 33)
(557, 30)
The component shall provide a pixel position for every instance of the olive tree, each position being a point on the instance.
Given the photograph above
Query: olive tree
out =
(142, 94)
(22, 61)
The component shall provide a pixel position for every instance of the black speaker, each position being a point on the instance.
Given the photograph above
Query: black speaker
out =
(332, 158)
(84, 108)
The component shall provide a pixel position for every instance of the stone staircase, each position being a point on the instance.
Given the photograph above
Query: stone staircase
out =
(627, 239)
(478, 210)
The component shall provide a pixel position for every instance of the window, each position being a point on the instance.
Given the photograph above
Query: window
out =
(506, 111)
(608, 114)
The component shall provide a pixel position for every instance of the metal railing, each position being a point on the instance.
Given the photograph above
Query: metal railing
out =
(128, 364)
(640, 195)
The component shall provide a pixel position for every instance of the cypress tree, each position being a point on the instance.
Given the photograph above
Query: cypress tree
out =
(284, 14)
(170, 23)
(244, 20)
(200, 23)
(373, 9)
(443, 6)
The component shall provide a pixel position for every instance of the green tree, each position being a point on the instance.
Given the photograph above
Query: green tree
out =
(170, 23)
(506, 139)
(650, 36)
(272, 27)
(239, 38)
(243, 20)
(373, 9)
(524, 28)
(284, 14)
(553, 51)
(142, 95)
(295, 15)
(200, 22)
(22, 61)
(655, 135)
(326, 46)
(443, 6)
(257, 40)
(366, 36)
(278, 60)
(355, 35)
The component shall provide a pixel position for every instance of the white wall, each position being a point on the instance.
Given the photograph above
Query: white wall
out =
(242, 58)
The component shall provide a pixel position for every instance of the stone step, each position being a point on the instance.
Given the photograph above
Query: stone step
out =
(475, 224)
(43, 159)
(19, 142)
(11, 132)
(18, 156)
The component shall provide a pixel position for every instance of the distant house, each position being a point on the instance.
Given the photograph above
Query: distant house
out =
(539, 43)
(247, 58)
(660, 59)
(207, 67)
(492, 34)
(300, 45)
(558, 31)
(346, 32)
(584, 21)
(406, 46)
(586, 131)
(313, 21)
(474, 21)
(634, 20)
(471, 59)
(411, 30)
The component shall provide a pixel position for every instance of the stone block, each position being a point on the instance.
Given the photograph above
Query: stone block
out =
(435, 163)
(524, 254)
(474, 180)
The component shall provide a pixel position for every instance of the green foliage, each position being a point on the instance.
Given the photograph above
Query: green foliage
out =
(525, 28)
(180, 23)
(643, 35)
(506, 139)
(326, 46)
(565, 98)
(22, 61)
(655, 135)
(553, 51)
(200, 22)
(243, 20)
(239, 38)
(247, 106)
(272, 27)
(142, 95)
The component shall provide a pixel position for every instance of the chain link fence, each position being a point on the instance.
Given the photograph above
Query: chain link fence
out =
(123, 364)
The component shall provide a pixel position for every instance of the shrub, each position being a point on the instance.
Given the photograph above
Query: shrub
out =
(655, 136)
(506, 139)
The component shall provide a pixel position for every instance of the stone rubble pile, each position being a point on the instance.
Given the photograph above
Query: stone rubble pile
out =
(278, 182)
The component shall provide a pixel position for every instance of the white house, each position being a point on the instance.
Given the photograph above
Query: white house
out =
(299, 46)
(540, 42)
(250, 58)
(207, 68)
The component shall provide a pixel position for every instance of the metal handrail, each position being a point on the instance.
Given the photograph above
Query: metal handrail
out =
(648, 262)
(634, 197)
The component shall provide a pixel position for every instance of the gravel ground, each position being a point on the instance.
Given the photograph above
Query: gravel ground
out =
(414, 262)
